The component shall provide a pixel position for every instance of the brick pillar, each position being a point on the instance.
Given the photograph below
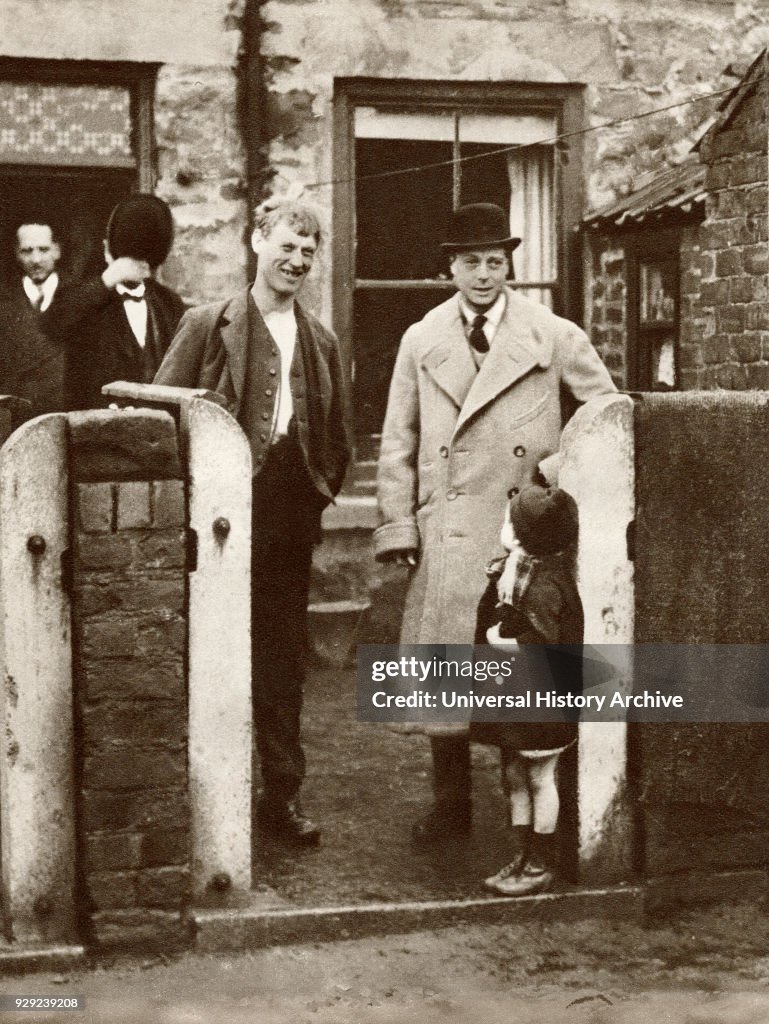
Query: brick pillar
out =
(129, 661)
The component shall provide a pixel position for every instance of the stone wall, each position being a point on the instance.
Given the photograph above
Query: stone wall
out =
(129, 660)
(634, 58)
(605, 305)
(200, 158)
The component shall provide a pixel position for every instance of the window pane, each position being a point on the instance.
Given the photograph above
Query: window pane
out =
(401, 220)
(66, 125)
(532, 217)
(380, 318)
(428, 126)
(658, 289)
(484, 177)
(506, 131)
(663, 363)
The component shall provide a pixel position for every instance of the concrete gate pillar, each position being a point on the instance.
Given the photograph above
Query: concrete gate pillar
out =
(597, 468)
(36, 765)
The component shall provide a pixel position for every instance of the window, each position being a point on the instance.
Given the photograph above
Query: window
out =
(406, 154)
(653, 317)
(75, 138)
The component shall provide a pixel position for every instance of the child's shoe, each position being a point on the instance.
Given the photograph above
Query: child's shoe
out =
(529, 879)
(511, 870)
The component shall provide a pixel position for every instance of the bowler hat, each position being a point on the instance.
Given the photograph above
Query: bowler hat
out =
(545, 519)
(479, 226)
(142, 227)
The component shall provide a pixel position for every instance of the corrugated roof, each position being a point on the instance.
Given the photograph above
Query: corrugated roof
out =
(678, 189)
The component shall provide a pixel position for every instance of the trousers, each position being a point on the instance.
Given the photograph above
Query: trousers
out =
(286, 525)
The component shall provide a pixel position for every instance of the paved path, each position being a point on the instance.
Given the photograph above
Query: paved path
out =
(709, 968)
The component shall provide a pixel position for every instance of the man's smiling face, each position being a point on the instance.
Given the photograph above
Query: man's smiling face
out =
(285, 258)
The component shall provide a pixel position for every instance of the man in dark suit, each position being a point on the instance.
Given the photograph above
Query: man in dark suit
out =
(31, 360)
(280, 371)
(128, 335)
(40, 315)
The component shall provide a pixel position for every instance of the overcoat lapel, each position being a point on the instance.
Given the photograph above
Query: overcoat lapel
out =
(515, 351)
(234, 335)
(450, 363)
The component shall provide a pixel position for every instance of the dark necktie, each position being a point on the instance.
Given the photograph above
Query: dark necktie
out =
(477, 338)
(38, 303)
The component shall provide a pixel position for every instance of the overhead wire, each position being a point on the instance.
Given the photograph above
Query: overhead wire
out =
(553, 141)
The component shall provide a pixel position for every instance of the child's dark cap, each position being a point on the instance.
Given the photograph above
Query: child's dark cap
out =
(545, 519)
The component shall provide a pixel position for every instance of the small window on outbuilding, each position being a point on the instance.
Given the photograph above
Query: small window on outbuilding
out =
(648, 227)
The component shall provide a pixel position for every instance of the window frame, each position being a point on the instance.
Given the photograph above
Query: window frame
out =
(138, 78)
(564, 102)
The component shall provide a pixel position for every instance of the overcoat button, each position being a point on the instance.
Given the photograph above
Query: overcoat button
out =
(268, 392)
(265, 416)
(519, 451)
(451, 494)
(273, 371)
(443, 451)
(513, 491)
(262, 437)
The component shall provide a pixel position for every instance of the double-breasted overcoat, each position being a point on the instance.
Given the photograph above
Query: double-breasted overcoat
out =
(456, 441)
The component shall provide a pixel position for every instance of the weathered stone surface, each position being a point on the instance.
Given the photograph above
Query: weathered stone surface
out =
(94, 507)
(108, 445)
(133, 506)
(113, 851)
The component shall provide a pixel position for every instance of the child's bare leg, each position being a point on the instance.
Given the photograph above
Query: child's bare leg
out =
(515, 784)
(535, 873)
(544, 793)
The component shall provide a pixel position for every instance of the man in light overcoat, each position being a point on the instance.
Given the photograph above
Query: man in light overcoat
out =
(479, 395)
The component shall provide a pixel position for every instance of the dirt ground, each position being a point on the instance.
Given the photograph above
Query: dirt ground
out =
(707, 968)
(366, 786)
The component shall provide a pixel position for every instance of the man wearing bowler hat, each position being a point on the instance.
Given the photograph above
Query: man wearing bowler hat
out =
(476, 407)
(128, 335)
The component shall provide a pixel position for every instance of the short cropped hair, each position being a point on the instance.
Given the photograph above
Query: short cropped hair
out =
(300, 217)
(32, 223)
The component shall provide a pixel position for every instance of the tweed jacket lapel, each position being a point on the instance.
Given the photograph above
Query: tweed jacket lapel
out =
(450, 362)
(234, 335)
(515, 351)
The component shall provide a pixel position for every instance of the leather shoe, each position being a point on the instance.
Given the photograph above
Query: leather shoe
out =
(444, 823)
(284, 820)
(511, 870)
(531, 879)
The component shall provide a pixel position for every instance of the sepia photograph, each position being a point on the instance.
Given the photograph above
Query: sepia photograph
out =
(384, 575)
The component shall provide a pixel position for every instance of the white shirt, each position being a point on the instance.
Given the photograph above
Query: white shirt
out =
(47, 289)
(493, 315)
(282, 327)
(136, 312)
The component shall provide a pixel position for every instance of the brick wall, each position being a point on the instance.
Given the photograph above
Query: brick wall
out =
(129, 650)
(606, 305)
(728, 340)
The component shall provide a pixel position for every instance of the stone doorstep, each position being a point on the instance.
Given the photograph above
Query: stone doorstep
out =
(27, 959)
(219, 931)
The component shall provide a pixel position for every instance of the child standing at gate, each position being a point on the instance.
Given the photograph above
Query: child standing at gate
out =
(532, 598)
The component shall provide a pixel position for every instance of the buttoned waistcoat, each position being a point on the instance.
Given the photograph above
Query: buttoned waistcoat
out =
(211, 351)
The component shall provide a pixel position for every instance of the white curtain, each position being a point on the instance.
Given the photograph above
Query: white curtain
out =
(532, 218)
